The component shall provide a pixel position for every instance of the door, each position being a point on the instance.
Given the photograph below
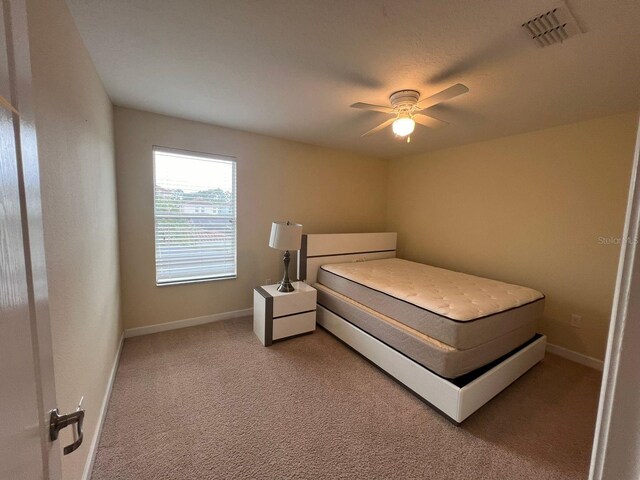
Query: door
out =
(616, 447)
(27, 392)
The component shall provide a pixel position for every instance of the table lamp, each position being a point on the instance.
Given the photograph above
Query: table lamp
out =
(285, 236)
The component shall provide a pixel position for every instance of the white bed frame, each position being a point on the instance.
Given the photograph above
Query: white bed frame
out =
(455, 402)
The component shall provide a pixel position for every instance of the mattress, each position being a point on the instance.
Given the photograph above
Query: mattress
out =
(460, 310)
(440, 358)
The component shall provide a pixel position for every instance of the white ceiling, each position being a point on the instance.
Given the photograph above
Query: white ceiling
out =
(291, 68)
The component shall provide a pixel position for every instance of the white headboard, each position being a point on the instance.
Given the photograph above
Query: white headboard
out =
(319, 249)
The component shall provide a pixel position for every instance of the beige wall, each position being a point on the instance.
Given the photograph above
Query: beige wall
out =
(75, 142)
(325, 190)
(531, 209)
(537, 209)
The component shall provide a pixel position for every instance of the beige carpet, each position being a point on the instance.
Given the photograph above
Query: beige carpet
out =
(210, 402)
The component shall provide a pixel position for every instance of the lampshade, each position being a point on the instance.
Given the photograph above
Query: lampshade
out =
(285, 236)
(403, 126)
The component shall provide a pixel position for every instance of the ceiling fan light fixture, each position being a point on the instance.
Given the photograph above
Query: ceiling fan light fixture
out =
(407, 109)
(403, 126)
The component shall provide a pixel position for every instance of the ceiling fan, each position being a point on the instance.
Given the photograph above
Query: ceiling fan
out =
(405, 108)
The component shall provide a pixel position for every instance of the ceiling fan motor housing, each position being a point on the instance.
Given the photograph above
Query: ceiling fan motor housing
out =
(404, 100)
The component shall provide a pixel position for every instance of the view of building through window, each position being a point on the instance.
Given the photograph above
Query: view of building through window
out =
(195, 216)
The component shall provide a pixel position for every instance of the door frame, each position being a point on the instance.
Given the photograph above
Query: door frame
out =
(616, 447)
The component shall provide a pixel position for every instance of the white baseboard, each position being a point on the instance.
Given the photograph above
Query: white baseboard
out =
(575, 356)
(188, 322)
(93, 448)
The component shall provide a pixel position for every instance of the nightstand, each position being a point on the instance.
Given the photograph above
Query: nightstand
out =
(279, 315)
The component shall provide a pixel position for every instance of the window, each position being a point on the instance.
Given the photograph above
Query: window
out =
(195, 216)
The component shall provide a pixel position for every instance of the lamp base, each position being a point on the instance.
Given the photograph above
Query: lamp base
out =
(284, 285)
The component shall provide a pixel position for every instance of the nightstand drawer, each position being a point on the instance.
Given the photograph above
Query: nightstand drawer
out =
(287, 304)
(294, 324)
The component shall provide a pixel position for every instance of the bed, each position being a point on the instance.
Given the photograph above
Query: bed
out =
(454, 339)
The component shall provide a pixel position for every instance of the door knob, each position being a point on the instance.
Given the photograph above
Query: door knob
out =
(57, 422)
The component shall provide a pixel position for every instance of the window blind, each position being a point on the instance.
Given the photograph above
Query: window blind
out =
(195, 216)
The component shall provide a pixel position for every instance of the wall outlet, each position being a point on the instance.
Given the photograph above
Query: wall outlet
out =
(576, 320)
(267, 281)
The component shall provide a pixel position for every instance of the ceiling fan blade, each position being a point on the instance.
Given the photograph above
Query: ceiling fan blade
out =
(443, 96)
(428, 121)
(375, 108)
(379, 127)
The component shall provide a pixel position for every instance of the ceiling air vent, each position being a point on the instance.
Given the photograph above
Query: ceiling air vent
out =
(553, 27)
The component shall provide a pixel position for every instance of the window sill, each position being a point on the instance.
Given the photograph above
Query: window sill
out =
(194, 280)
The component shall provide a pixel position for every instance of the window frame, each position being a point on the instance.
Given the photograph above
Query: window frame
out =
(234, 175)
